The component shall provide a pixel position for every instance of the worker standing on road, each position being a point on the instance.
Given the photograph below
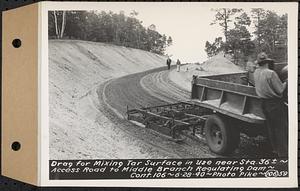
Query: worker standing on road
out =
(269, 87)
(178, 64)
(169, 62)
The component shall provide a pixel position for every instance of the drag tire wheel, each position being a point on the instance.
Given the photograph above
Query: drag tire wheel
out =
(221, 134)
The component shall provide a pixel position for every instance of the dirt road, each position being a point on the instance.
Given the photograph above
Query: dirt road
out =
(150, 88)
(128, 91)
(113, 97)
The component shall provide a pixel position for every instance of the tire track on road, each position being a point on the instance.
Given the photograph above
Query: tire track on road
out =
(151, 140)
(127, 91)
(159, 85)
(153, 88)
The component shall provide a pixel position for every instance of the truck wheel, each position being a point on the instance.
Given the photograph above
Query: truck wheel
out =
(221, 136)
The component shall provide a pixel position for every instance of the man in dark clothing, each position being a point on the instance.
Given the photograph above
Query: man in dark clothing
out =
(269, 87)
(169, 63)
(178, 64)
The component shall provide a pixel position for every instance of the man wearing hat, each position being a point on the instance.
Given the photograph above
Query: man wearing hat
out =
(269, 87)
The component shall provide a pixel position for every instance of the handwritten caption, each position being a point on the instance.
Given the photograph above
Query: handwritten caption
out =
(167, 168)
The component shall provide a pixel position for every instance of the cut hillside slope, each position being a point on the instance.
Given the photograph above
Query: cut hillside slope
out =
(76, 68)
(216, 65)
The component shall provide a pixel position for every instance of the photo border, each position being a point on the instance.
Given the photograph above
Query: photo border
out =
(291, 181)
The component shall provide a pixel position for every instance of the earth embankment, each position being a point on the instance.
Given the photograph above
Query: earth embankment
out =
(76, 68)
(82, 126)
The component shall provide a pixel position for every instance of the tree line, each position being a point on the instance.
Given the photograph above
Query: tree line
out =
(269, 34)
(107, 27)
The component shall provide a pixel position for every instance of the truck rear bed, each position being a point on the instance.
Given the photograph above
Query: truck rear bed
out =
(228, 94)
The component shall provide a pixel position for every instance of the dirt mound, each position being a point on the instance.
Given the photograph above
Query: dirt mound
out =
(220, 64)
(216, 65)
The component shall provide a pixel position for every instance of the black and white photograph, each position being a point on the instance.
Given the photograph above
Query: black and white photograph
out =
(164, 83)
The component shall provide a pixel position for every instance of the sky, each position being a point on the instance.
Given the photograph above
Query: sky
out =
(188, 23)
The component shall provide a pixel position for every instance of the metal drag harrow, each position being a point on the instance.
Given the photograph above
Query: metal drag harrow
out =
(171, 119)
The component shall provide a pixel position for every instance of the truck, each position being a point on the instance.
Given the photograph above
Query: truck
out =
(221, 107)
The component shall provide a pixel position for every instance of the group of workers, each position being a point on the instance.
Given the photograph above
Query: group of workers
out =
(270, 89)
(178, 64)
